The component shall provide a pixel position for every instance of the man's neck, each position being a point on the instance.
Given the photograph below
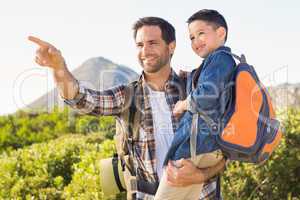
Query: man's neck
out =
(158, 79)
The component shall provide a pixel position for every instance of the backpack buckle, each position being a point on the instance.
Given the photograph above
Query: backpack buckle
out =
(214, 127)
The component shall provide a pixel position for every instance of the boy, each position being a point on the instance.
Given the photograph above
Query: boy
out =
(195, 136)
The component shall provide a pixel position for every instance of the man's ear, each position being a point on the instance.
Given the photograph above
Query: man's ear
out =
(221, 33)
(172, 47)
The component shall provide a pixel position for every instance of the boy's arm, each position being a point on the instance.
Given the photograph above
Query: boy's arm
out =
(210, 84)
(179, 108)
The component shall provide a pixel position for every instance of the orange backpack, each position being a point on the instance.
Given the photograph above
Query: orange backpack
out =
(250, 130)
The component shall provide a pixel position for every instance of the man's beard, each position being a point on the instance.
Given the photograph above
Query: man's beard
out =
(157, 66)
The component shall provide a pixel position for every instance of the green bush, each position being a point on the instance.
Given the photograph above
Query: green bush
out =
(68, 167)
(25, 128)
(65, 168)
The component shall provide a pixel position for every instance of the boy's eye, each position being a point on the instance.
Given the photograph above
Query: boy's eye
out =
(192, 38)
(201, 33)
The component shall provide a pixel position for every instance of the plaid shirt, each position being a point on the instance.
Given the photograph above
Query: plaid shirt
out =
(112, 102)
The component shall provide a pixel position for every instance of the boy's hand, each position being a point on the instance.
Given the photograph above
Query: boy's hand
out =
(47, 54)
(179, 108)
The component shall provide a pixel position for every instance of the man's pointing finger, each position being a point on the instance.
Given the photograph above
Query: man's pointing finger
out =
(38, 41)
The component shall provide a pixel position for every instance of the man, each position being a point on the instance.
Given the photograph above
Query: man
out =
(159, 89)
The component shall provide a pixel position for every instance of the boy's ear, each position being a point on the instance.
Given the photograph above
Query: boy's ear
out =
(172, 47)
(221, 32)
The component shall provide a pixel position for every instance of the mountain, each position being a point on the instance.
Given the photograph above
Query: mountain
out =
(286, 95)
(97, 73)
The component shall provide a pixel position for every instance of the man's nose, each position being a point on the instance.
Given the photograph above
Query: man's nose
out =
(146, 49)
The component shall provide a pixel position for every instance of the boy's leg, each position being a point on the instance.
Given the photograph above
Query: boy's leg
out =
(167, 192)
(192, 192)
(208, 159)
(203, 161)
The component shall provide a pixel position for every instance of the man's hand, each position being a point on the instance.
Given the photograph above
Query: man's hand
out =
(47, 54)
(179, 108)
(187, 173)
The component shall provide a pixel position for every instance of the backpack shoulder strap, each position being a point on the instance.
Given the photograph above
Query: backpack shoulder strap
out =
(134, 113)
(241, 59)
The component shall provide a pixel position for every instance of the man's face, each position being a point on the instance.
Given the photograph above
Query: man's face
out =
(153, 52)
(205, 38)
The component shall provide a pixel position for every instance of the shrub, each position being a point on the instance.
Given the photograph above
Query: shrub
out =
(25, 128)
(65, 168)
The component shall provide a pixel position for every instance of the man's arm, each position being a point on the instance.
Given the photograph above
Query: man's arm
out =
(189, 174)
(48, 55)
(108, 102)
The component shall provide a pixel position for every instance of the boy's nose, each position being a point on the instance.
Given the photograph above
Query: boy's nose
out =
(196, 42)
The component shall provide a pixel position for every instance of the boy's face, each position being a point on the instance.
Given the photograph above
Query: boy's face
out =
(205, 38)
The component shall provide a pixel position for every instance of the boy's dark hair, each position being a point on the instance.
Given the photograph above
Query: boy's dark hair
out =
(167, 30)
(212, 17)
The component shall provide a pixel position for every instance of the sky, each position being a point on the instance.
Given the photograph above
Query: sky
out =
(267, 32)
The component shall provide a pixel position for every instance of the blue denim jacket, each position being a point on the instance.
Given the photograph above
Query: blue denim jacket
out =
(206, 96)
